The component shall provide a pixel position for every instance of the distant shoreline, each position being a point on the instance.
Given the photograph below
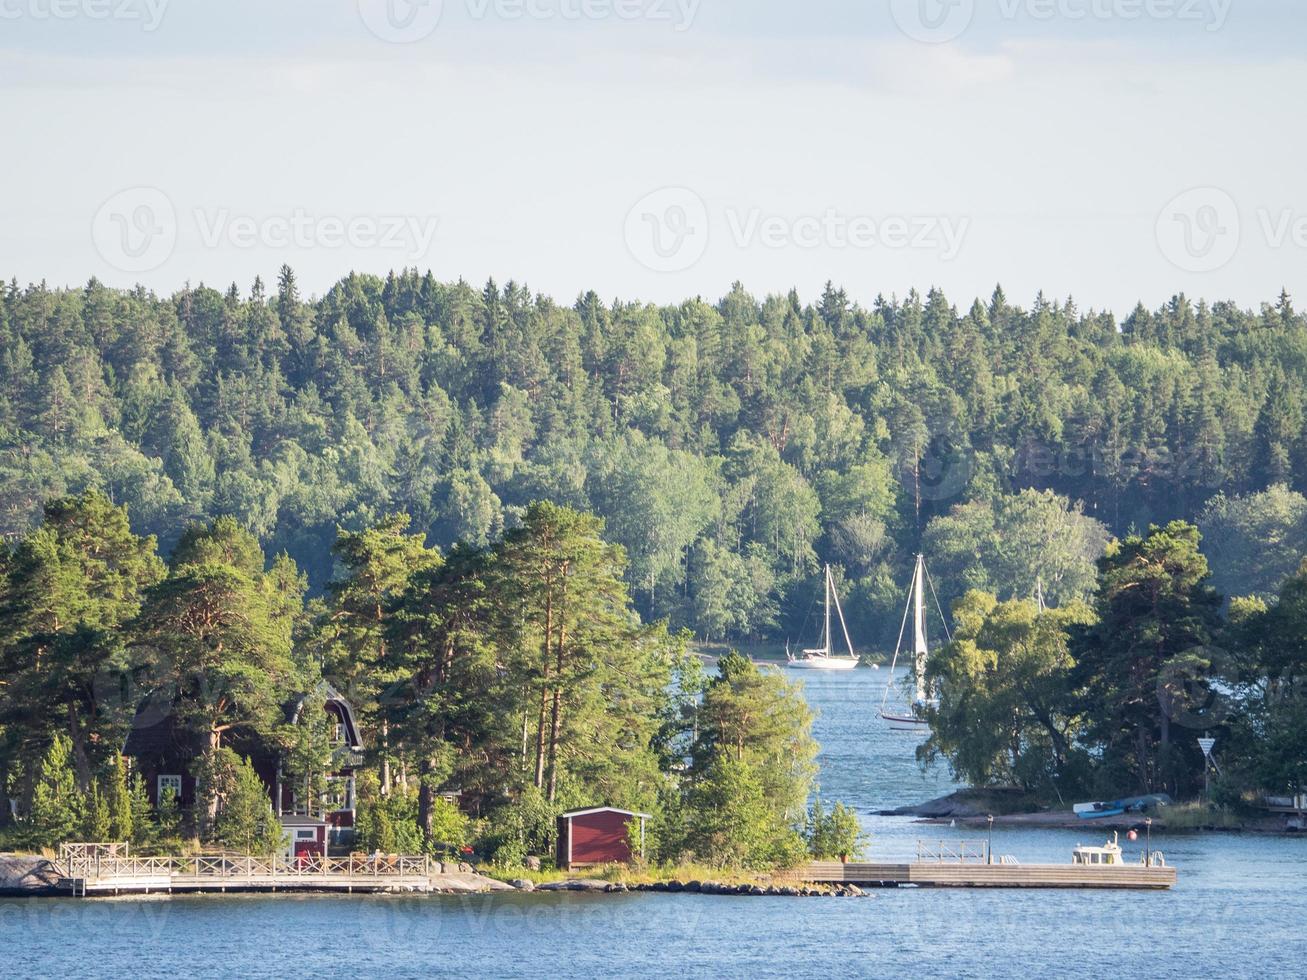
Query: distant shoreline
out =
(973, 808)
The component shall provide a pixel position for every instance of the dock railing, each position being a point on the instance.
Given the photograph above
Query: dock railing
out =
(102, 865)
(952, 852)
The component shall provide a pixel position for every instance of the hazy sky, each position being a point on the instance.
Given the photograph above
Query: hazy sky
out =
(1113, 150)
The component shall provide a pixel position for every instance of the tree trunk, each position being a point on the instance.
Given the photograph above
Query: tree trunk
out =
(215, 743)
(555, 721)
(544, 678)
(426, 797)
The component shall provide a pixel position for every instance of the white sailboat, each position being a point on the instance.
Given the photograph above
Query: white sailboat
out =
(911, 717)
(824, 657)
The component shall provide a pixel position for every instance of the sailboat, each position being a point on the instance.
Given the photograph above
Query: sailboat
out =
(911, 717)
(824, 657)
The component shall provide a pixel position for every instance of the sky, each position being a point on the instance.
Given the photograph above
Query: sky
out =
(1113, 151)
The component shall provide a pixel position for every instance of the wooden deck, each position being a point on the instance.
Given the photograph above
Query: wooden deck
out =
(97, 874)
(927, 874)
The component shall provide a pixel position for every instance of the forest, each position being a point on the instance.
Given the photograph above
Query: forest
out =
(731, 447)
(374, 486)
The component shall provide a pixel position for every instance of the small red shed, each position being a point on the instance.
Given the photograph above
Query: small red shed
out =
(600, 835)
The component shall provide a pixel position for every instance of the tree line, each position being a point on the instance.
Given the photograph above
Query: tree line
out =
(731, 447)
(515, 675)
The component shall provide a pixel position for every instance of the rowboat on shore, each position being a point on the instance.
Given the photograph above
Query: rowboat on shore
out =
(1117, 808)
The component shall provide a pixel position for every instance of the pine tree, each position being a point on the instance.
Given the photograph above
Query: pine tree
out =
(97, 822)
(56, 814)
(119, 802)
(245, 818)
(144, 824)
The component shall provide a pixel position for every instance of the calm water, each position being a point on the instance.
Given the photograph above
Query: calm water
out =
(1240, 910)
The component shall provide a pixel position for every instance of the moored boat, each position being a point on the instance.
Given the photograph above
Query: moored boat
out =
(824, 657)
(911, 717)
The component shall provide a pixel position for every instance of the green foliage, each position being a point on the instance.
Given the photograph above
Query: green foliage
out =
(386, 823)
(1147, 667)
(168, 820)
(146, 825)
(97, 820)
(1254, 542)
(526, 826)
(1013, 544)
(1006, 715)
(118, 801)
(731, 822)
(219, 628)
(56, 814)
(834, 834)
(743, 800)
(245, 819)
(67, 590)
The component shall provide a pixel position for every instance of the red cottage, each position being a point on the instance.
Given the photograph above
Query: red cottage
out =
(164, 753)
(600, 835)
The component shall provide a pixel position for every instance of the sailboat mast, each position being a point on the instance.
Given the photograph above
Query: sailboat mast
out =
(919, 626)
(826, 643)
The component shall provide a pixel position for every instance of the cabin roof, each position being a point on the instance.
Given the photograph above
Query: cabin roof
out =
(603, 809)
(353, 739)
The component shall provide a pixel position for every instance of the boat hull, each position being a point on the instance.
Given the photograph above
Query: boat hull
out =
(903, 723)
(824, 663)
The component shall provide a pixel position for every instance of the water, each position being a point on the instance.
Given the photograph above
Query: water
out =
(1239, 910)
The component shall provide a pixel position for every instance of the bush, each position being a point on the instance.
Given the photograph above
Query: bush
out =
(389, 823)
(731, 825)
(523, 827)
(834, 834)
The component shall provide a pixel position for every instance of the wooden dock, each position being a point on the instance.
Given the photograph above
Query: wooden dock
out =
(98, 873)
(931, 874)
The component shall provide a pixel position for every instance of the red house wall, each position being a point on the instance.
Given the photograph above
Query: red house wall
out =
(600, 838)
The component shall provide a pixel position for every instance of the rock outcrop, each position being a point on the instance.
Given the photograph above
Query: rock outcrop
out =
(24, 876)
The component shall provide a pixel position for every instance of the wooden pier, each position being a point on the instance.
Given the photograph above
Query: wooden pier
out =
(971, 864)
(99, 870)
(931, 875)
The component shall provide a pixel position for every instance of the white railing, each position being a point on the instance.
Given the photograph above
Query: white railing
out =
(99, 865)
(952, 852)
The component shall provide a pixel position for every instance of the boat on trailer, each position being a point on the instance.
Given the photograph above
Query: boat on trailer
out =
(824, 657)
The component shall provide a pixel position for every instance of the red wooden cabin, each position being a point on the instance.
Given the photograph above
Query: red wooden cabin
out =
(600, 835)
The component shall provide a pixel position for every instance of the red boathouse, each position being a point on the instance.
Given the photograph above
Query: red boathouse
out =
(601, 835)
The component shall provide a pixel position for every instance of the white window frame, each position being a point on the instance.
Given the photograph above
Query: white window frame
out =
(169, 781)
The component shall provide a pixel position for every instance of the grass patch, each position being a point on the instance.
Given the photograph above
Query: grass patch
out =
(636, 874)
(1200, 816)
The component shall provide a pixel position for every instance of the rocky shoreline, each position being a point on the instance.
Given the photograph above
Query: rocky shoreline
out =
(757, 890)
(27, 877)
